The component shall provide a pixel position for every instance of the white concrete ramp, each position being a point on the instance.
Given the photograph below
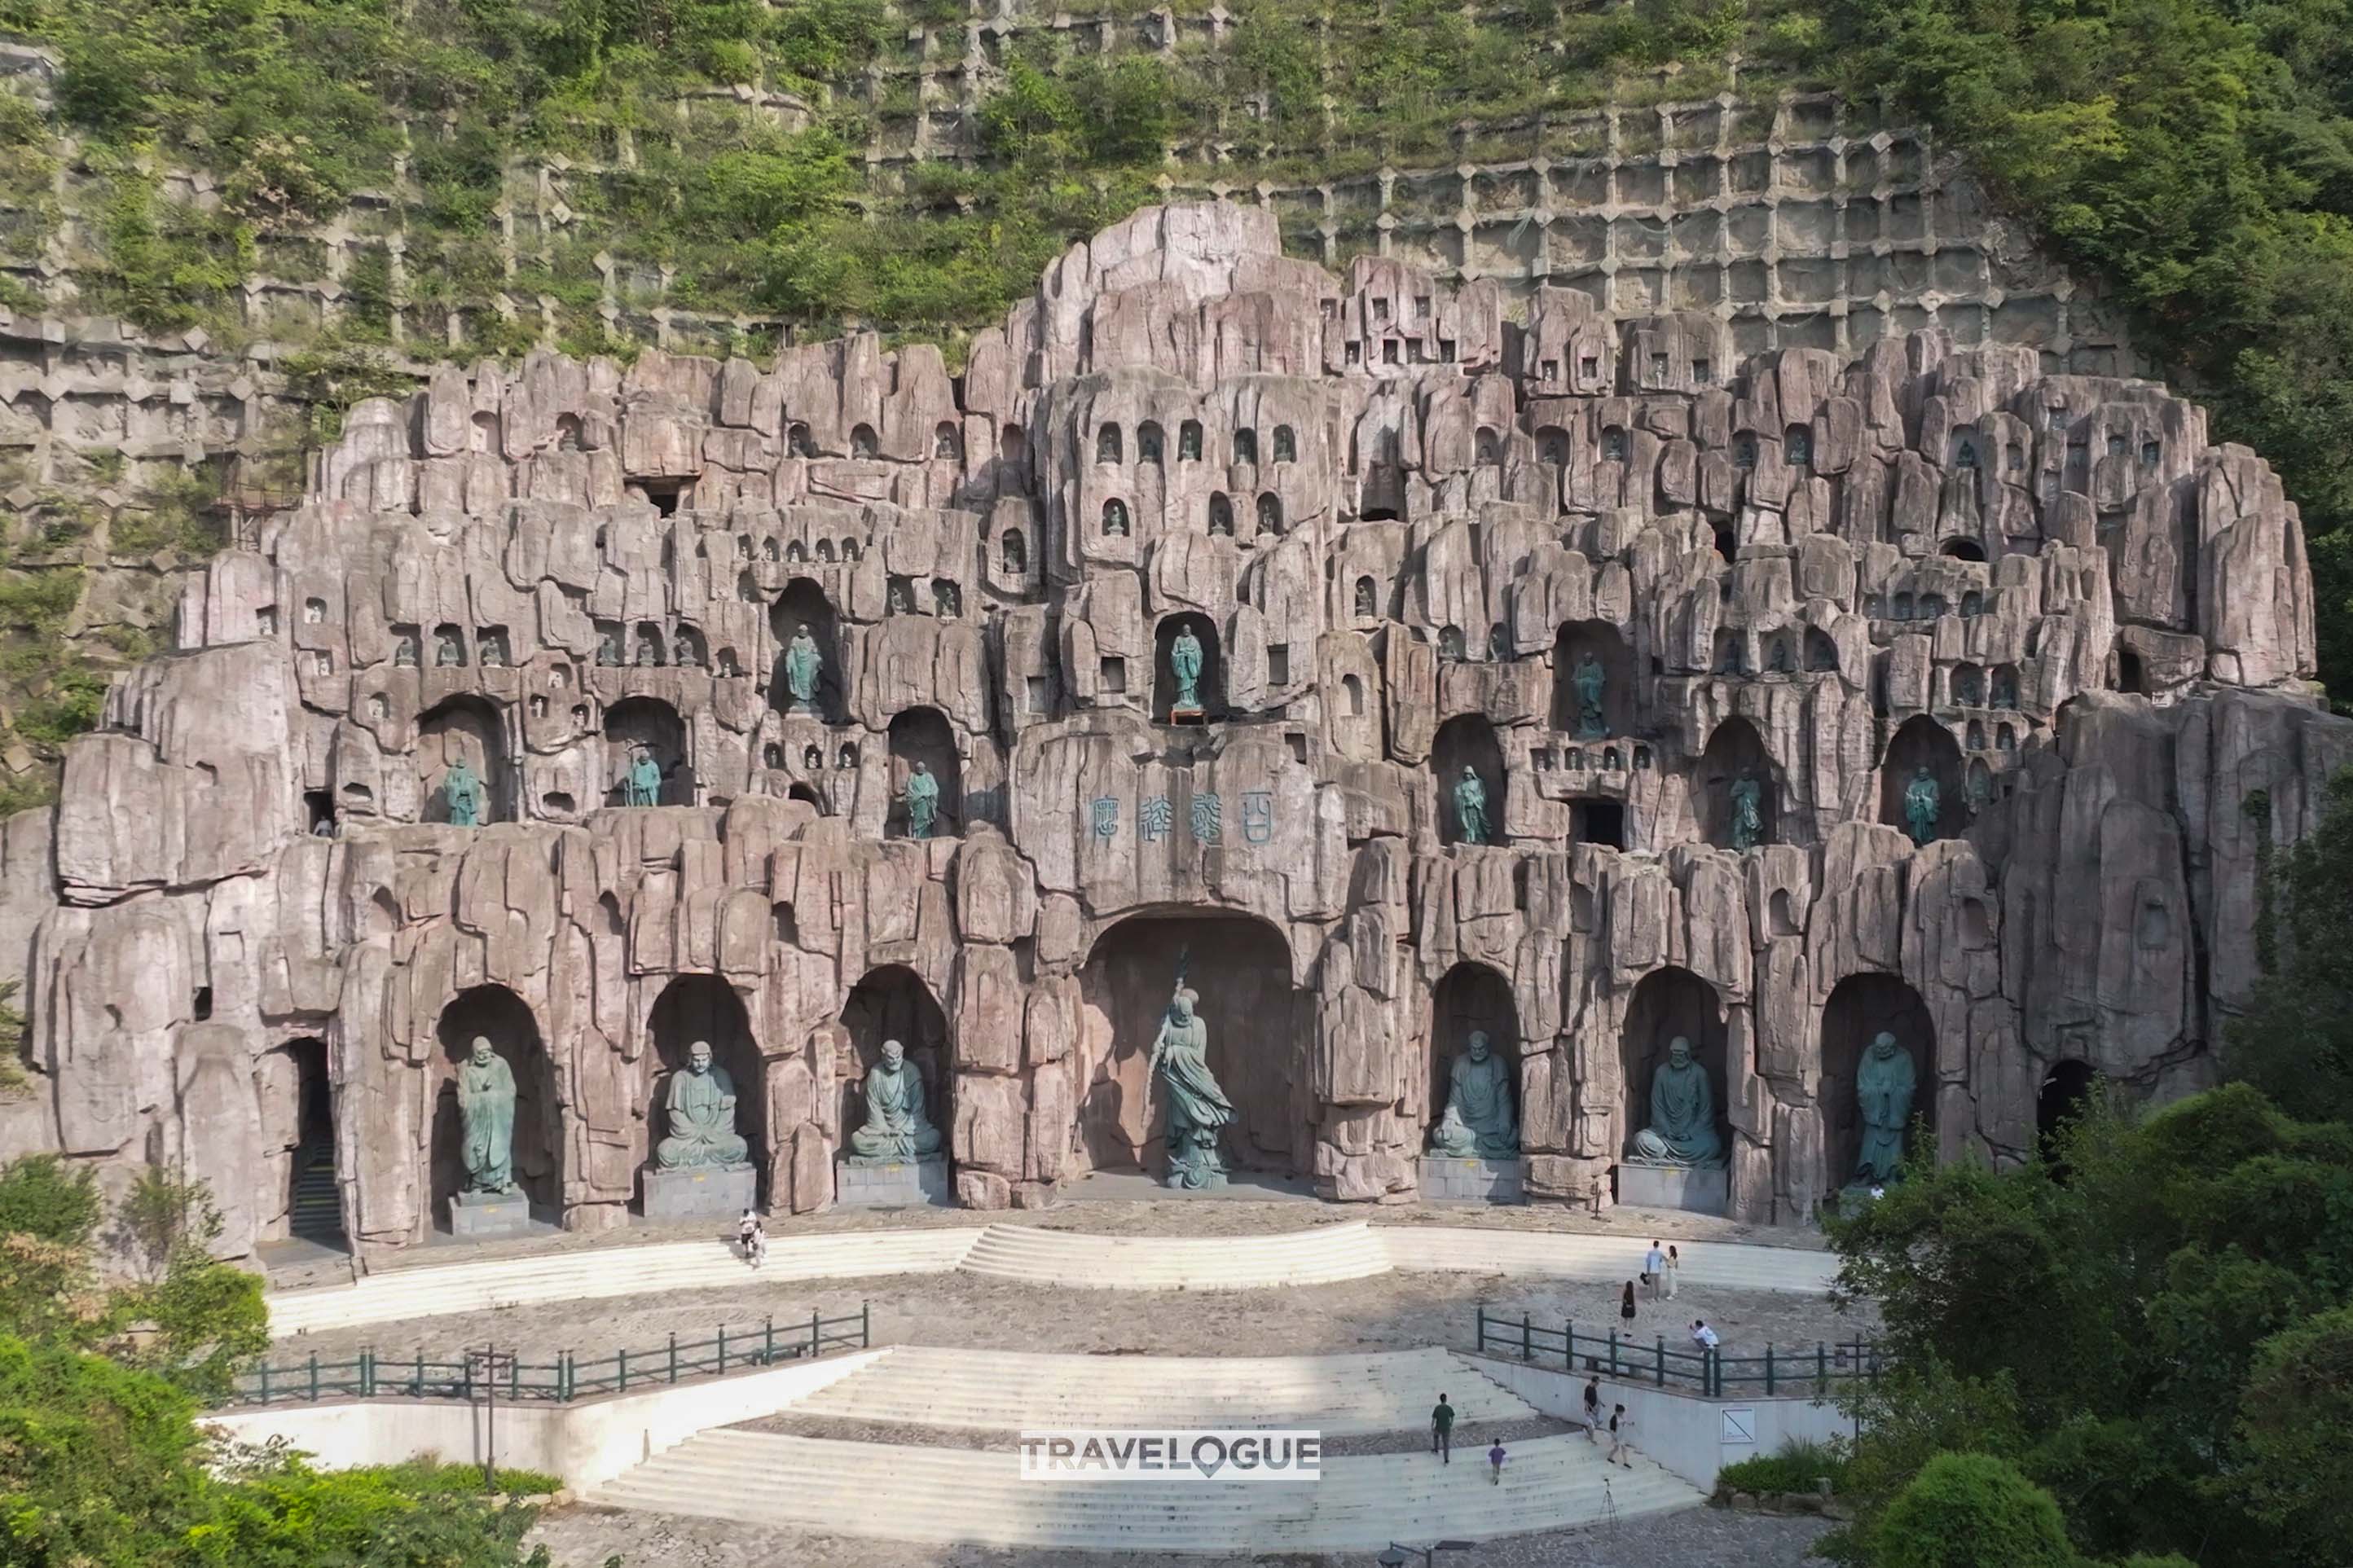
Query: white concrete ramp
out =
(941, 1495)
(921, 1385)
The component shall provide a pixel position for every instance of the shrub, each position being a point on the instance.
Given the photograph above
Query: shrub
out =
(1972, 1510)
(1801, 1466)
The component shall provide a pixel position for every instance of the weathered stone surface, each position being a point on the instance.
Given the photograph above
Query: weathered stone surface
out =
(1398, 524)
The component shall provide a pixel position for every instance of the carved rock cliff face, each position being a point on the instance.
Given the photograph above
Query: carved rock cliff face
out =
(1398, 524)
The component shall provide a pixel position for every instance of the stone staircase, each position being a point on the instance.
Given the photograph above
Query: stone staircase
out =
(317, 1209)
(922, 1385)
(914, 1494)
(1320, 1255)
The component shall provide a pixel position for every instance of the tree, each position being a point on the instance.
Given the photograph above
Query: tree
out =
(2296, 1421)
(2295, 1041)
(1972, 1510)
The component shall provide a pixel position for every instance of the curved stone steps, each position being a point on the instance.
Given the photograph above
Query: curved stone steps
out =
(1321, 1255)
(923, 1386)
(940, 1496)
(1568, 1255)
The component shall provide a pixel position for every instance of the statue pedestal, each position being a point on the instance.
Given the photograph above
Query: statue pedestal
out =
(1447, 1179)
(478, 1217)
(1192, 715)
(902, 1184)
(700, 1192)
(1701, 1189)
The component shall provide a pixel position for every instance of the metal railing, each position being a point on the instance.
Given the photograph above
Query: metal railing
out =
(1711, 1373)
(374, 1374)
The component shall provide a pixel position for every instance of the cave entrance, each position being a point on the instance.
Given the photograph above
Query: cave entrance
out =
(2069, 1091)
(1860, 1009)
(704, 1007)
(1258, 1045)
(298, 1119)
(499, 1015)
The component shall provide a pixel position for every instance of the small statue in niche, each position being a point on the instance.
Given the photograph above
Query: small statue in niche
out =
(686, 657)
(608, 650)
(901, 599)
(2005, 689)
(1883, 1085)
(802, 663)
(1365, 607)
(650, 653)
(1114, 519)
(461, 795)
(922, 799)
(1610, 759)
(1922, 803)
(1450, 644)
(1477, 1120)
(946, 601)
(1499, 643)
(1681, 1130)
(1747, 811)
(446, 653)
(812, 758)
(403, 651)
(1778, 660)
(1185, 667)
(1591, 682)
(1471, 822)
(643, 786)
(493, 649)
(486, 1114)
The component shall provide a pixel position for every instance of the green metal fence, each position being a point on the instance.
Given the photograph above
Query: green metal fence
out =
(1711, 1373)
(377, 1374)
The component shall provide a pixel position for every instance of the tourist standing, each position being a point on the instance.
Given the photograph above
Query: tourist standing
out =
(1654, 1270)
(1621, 1436)
(1593, 1408)
(1626, 1307)
(1441, 1431)
(1675, 1268)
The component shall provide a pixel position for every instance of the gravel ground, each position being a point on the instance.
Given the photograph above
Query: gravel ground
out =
(1392, 1311)
(581, 1537)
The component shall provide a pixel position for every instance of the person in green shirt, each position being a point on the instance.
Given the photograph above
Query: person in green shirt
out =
(1441, 1431)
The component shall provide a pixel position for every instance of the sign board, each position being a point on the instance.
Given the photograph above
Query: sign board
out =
(1739, 1425)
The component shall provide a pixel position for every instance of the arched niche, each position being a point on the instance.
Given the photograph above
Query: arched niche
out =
(704, 1007)
(467, 727)
(499, 1015)
(1469, 997)
(2068, 1090)
(295, 1094)
(1598, 641)
(1211, 691)
(891, 1002)
(1821, 652)
(1922, 742)
(1668, 1001)
(1468, 741)
(1735, 751)
(803, 603)
(650, 722)
(922, 735)
(1861, 1007)
(1257, 1051)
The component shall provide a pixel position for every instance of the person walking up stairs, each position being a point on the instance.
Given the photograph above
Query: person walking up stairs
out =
(1441, 1431)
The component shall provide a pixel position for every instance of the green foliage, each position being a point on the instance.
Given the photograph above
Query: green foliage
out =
(433, 1478)
(1801, 1466)
(2106, 1334)
(2294, 1039)
(1971, 1510)
(102, 1464)
(2293, 1421)
(2197, 156)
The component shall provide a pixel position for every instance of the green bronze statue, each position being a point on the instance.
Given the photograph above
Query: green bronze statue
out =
(1747, 811)
(700, 1112)
(1470, 823)
(1682, 1113)
(644, 785)
(1197, 1108)
(896, 1128)
(1590, 680)
(1922, 803)
(922, 799)
(802, 665)
(1185, 664)
(1883, 1084)
(1478, 1119)
(462, 794)
(486, 1115)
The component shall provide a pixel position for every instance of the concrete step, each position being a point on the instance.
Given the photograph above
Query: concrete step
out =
(923, 1386)
(1323, 1255)
(1561, 1255)
(900, 1492)
(428, 1290)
